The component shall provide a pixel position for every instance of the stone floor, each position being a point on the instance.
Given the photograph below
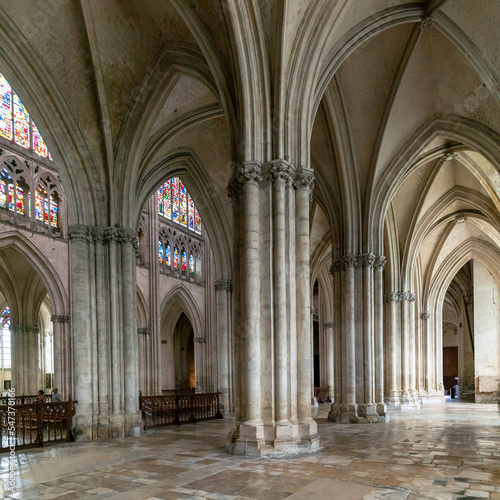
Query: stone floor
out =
(451, 451)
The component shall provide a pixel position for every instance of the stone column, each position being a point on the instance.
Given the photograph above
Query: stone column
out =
(413, 354)
(380, 261)
(133, 418)
(223, 288)
(330, 356)
(393, 330)
(350, 262)
(405, 352)
(62, 355)
(79, 239)
(280, 175)
(368, 407)
(304, 183)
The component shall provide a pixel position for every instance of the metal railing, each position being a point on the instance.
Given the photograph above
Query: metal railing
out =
(36, 424)
(159, 411)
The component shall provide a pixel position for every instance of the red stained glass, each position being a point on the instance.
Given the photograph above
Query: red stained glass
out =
(19, 200)
(11, 197)
(167, 202)
(5, 109)
(21, 123)
(176, 257)
(184, 261)
(3, 193)
(53, 212)
(39, 146)
(175, 199)
(160, 252)
(182, 204)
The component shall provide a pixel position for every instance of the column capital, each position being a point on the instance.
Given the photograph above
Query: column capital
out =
(223, 285)
(304, 179)
(249, 172)
(337, 266)
(16, 329)
(328, 325)
(144, 331)
(200, 340)
(380, 262)
(367, 260)
(350, 260)
(78, 232)
(234, 188)
(425, 315)
(55, 318)
(399, 297)
(32, 329)
(280, 170)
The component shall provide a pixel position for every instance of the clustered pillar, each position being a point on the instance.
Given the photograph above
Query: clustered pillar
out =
(105, 343)
(272, 332)
(358, 339)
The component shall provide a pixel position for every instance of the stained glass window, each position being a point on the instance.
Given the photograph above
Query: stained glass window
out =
(160, 200)
(11, 196)
(175, 203)
(15, 122)
(184, 261)
(175, 200)
(182, 204)
(190, 213)
(53, 212)
(160, 252)
(197, 221)
(21, 123)
(6, 340)
(176, 257)
(46, 210)
(191, 263)
(19, 199)
(3, 193)
(39, 146)
(168, 256)
(39, 203)
(5, 109)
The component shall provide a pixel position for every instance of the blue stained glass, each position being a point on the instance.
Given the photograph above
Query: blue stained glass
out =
(168, 256)
(160, 252)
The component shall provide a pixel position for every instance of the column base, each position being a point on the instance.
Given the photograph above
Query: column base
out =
(355, 414)
(393, 401)
(382, 410)
(431, 397)
(410, 400)
(86, 427)
(255, 439)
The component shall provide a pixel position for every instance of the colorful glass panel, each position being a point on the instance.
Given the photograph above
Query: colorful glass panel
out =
(11, 197)
(160, 200)
(184, 262)
(167, 209)
(21, 123)
(176, 257)
(3, 193)
(6, 318)
(197, 221)
(19, 199)
(46, 210)
(5, 109)
(191, 263)
(39, 146)
(190, 213)
(160, 252)
(168, 256)
(53, 212)
(39, 204)
(175, 199)
(182, 204)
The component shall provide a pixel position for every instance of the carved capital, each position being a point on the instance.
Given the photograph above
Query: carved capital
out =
(110, 234)
(77, 232)
(223, 285)
(59, 319)
(427, 23)
(97, 234)
(304, 179)
(380, 262)
(32, 329)
(337, 266)
(350, 260)
(328, 325)
(200, 340)
(280, 171)
(249, 172)
(425, 315)
(144, 331)
(400, 297)
(367, 260)
(16, 329)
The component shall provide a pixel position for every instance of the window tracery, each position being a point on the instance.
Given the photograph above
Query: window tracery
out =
(15, 122)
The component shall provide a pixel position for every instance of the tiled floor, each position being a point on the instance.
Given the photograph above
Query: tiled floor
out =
(442, 452)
